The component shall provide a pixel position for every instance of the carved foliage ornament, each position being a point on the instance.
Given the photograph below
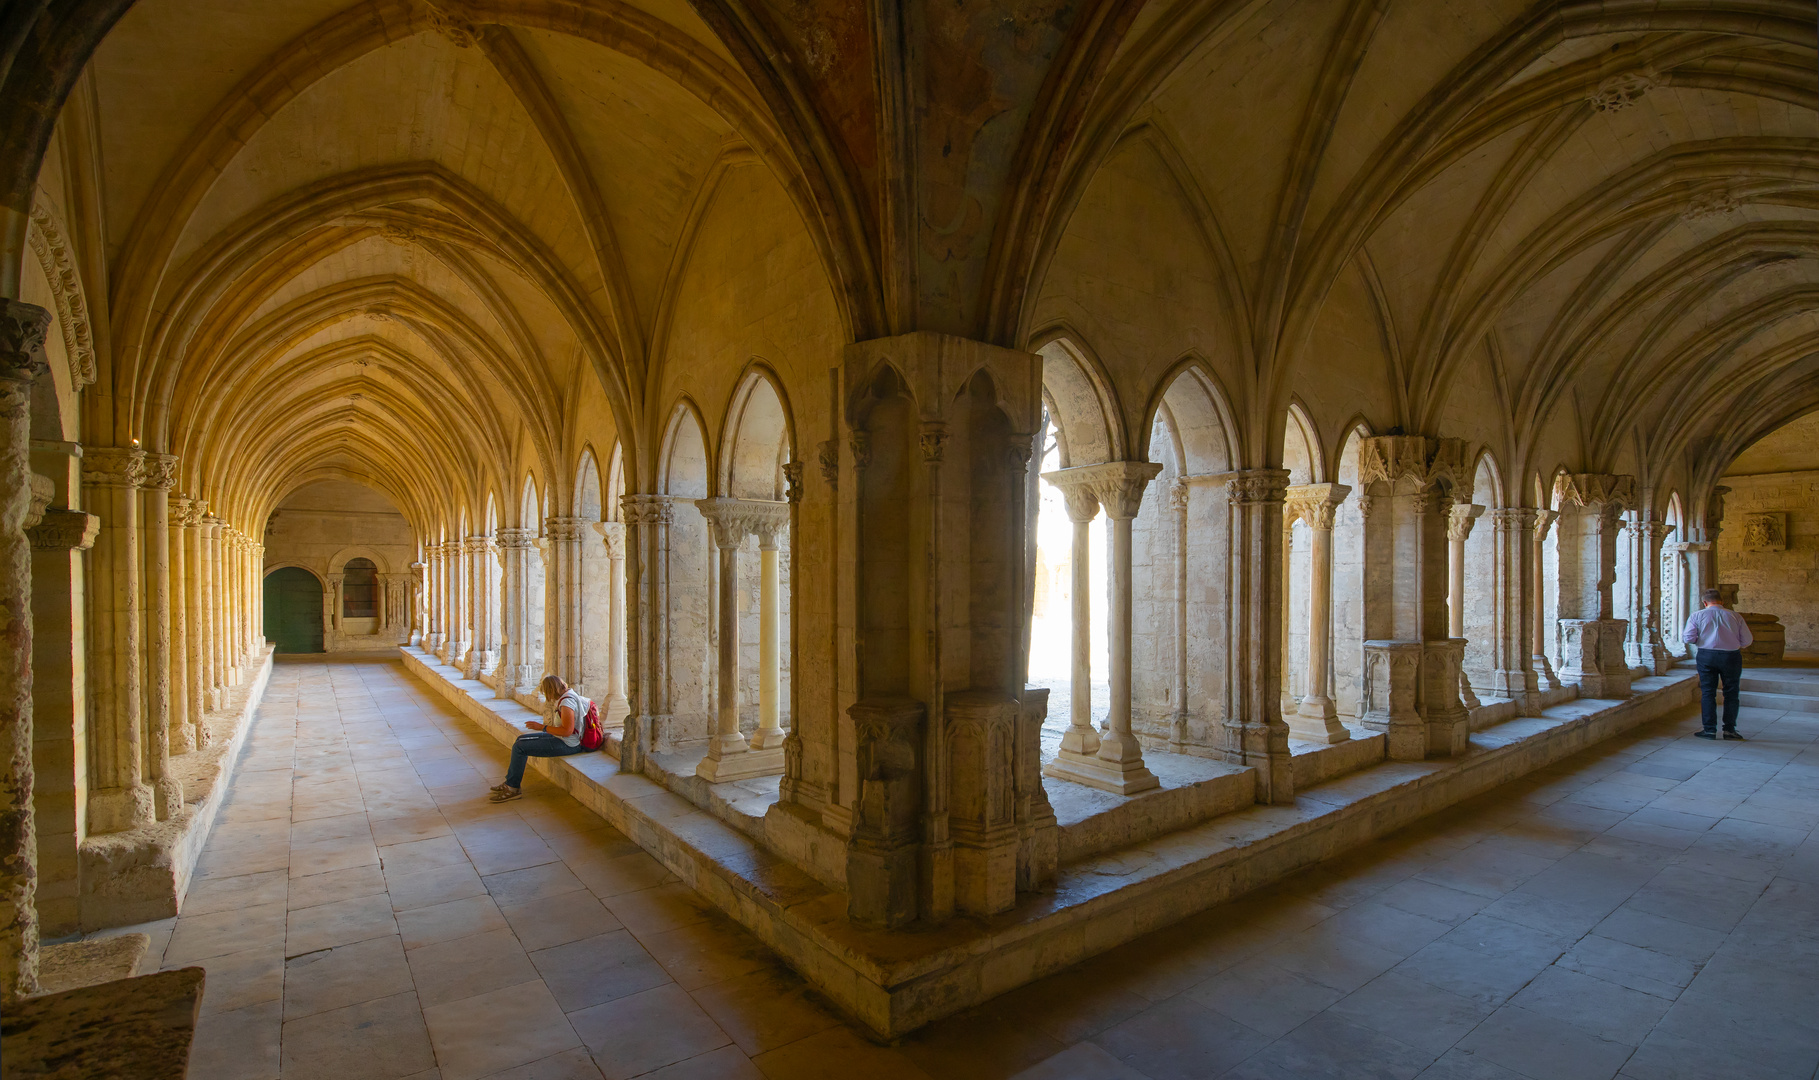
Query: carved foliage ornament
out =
(1257, 486)
(1316, 504)
(113, 466)
(52, 248)
(22, 330)
(642, 510)
(1428, 462)
(160, 472)
(1621, 91)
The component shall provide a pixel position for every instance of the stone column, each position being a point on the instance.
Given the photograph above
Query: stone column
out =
(565, 608)
(155, 632)
(647, 519)
(617, 707)
(118, 796)
(1458, 530)
(1081, 742)
(1316, 718)
(208, 596)
(22, 329)
(1544, 668)
(483, 601)
(182, 728)
(1118, 765)
(415, 601)
(517, 672)
(460, 609)
(432, 599)
(1512, 675)
(770, 617)
(1254, 732)
(1643, 648)
(729, 756)
(1591, 512)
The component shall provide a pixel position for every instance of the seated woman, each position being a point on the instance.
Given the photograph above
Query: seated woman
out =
(558, 736)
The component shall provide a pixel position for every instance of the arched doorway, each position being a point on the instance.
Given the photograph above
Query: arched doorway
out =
(293, 610)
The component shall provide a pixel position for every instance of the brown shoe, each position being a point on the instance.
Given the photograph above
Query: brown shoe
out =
(505, 794)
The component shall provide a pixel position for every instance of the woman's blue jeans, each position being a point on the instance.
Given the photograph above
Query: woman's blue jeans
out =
(535, 744)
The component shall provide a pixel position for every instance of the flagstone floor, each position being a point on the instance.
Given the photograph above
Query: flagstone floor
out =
(1648, 910)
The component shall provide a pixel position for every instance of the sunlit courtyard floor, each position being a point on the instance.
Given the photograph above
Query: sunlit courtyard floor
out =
(1649, 909)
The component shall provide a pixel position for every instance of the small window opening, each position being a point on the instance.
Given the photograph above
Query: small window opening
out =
(360, 590)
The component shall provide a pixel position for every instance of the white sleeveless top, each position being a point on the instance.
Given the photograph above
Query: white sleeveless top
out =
(579, 704)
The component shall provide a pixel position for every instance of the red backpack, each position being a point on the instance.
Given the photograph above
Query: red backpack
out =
(593, 736)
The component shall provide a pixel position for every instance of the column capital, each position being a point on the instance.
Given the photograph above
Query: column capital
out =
(1428, 461)
(113, 466)
(1513, 518)
(646, 510)
(1544, 520)
(564, 529)
(1115, 485)
(1459, 520)
(1316, 504)
(517, 538)
(64, 530)
(733, 519)
(1608, 493)
(1255, 486)
(160, 472)
(792, 481)
(22, 330)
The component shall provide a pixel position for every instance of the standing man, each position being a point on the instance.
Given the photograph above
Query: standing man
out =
(1721, 635)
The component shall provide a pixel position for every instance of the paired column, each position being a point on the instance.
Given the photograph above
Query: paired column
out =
(460, 629)
(183, 731)
(155, 633)
(519, 672)
(1082, 738)
(1460, 519)
(729, 756)
(118, 797)
(564, 607)
(208, 533)
(1512, 649)
(1643, 648)
(647, 520)
(1117, 763)
(1591, 513)
(23, 498)
(1254, 732)
(434, 594)
(483, 600)
(1544, 668)
(1316, 717)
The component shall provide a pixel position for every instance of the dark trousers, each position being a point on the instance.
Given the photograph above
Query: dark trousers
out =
(538, 744)
(1715, 665)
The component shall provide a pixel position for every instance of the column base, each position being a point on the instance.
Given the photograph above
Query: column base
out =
(740, 765)
(768, 739)
(112, 810)
(1263, 746)
(1545, 678)
(167, 797)
(1316, 720)
(617, 709)
(1080, 741)
(1119, 778)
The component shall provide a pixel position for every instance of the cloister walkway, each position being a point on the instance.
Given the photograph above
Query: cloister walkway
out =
(1648, 909)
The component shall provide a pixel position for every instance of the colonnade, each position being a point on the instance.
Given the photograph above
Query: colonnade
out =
(1416, 511)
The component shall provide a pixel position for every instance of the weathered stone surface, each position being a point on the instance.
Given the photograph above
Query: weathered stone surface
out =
(138, 1027)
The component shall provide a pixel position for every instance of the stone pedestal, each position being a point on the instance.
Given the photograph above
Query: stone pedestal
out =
(882, 860)
(982, 813)
(1392, 697)
(1591, 515)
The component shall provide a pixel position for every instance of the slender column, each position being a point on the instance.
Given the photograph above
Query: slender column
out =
(770, 616)
(1459, 522)
(616, 705)
(1081, 742)
(1591, 512)
(195, 613)
(1642, 642)
(1254, 732)
(1118, 765)
(1177, 504)
(182, 731)
(1544, 668)
(729, 756)
(118, 797)
(208, 599)
(414, 603)
(22, 329)
(1289, 702)
(460, 627)
(1316, 717)
(155, 611)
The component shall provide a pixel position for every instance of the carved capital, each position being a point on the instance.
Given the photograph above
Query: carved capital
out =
(1177, 494)
(1430, 463)
(1115, 485)
(113, 466)
(1609, 494)
(646, 510)
(517, 539)
(43, 489)
(1544, 520)
(1256, 486)
(22, 330)
(933, 441)
(792, 481)
(1510, 519)
(1714, 506)
(1316, 504)
(827, 455)
(160, 472)
(1459, 521)
(862, 449)
(732, 520)
(64, 530)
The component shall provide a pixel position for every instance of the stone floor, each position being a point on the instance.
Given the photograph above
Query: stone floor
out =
(1648, 910)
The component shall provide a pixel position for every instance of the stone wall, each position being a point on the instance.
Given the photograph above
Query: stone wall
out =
(321, 526)
(1770, 549)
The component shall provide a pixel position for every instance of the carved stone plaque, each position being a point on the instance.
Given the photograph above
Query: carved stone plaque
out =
(1765, 532)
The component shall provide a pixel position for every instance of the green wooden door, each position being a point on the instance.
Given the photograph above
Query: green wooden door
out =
(293, 610)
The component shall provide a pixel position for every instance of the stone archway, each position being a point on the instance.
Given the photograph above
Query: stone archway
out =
(293, 610)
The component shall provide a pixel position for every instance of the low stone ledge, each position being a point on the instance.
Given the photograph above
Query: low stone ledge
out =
(139, 1028)
(142, 875)
(1192, 790)
(893, 982)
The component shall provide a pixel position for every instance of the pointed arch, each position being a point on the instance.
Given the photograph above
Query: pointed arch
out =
(758, 438)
